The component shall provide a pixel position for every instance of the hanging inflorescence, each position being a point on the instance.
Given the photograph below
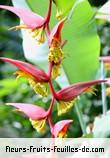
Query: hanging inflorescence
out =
(39, 80)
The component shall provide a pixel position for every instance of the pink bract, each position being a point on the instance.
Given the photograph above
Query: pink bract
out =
(30, 19)
(32, 111)
(58, 127)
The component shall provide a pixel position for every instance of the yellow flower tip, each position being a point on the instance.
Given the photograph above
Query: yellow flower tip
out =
(17, 110)
(62, 135)
(55, 54)
(39, 125)
(107, 91)
(59, 15)
(18, 27)
(55, 71)
(63, 132)
(20, 74)
(64, 107)
(107, 66)
(91, 90)
(39, 35)
(40, 88)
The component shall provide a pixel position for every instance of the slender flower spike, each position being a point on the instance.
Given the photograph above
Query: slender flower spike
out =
(59, 130)
(67, 96)
(36, 114)
(37, 78)
(32, 22)
(106, 60)
(56, 55)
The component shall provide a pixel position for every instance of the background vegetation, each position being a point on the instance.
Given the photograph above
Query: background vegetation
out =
(11, 122)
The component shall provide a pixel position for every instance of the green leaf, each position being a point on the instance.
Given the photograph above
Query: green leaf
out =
(7, 86)
(38, 6)
(83, 46)
(63, 7)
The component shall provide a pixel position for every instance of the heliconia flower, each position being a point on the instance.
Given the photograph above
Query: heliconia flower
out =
(59, 130)
(31, 21)
(56, 55)
(37, 78)
(67, 96)
(106, 60)
(37, 115)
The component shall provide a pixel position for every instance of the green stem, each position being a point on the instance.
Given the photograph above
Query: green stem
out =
(103, 88)
(80, 117)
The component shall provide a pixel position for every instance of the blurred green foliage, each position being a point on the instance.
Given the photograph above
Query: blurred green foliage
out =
(97, 3)
(14, 124)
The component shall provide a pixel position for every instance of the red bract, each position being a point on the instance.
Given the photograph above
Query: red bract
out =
(36, 77)
(67, 96)
(34, 71)
(71, 92)
(60, 128)
(56, 32)
(55, 55)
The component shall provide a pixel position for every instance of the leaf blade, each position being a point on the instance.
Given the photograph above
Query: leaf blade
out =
(82, 50)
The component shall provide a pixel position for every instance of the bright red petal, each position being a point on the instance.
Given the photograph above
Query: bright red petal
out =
(105, 59)
(71, 92)
(59, 126)
(32, 111)
(56, 32)
(39, 74)
(29, 18)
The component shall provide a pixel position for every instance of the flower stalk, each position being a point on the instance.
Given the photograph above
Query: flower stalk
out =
(103, 89)
(52, 89)
(51, 106)
(49, 12)
(80, 117)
